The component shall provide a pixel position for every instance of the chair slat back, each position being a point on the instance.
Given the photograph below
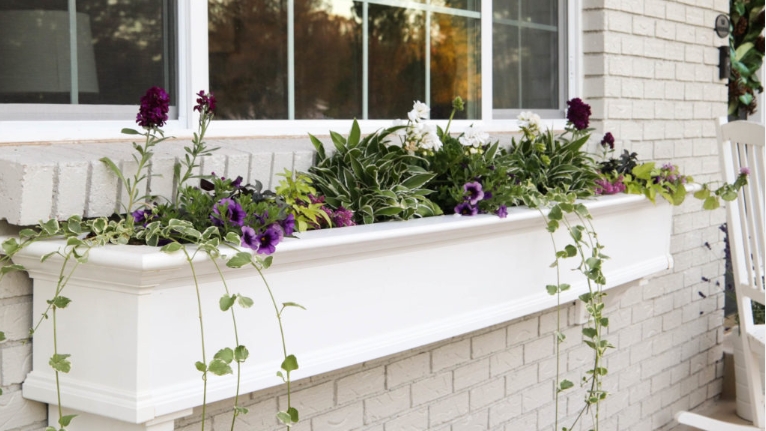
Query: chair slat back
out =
(742, 146)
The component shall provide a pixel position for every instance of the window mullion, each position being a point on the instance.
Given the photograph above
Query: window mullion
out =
(486, 60)
(74, 90)
(193, 69)
(291, 59)
(427, 96)
(365, 60)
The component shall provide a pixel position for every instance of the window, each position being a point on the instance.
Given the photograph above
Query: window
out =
(64, 59)
(284, 67)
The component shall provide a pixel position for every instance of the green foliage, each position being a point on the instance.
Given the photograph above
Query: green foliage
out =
(297, 193)
(651, 181)
(374, 179)
(746, 46)
(553, 163)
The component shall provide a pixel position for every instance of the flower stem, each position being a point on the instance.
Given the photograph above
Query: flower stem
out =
(202, 335)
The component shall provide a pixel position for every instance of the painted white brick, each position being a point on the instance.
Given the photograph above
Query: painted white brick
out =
(15, 283)
(508, 409)
(360, 385)
(593, 20)
(486, 344)
(643, 26)
(448, 409)
(341, 419)
(312, 400)
(451, 355)
(407, 370)
(471, 374)
(15, 320)
(387, 405)
(487, 394)
(15, 411)
(505, 361)
(537, 396)
(655, 8)
(431, 388)
(261, 415)
(538, 349)
(675, 12)
(415, 420)
(619, 22)
(16, 363)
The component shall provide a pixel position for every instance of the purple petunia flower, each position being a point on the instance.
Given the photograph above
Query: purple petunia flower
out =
(502, 212)
(578, 113)
(153, 111)
(744, 171)
(288, 224)
(235, 215)
(237, 183)
(249, 238)
(205, 103)
(604, 187)
(142, 216)
(608, 141)
(269, 239)
(466, 209)
(667, 166)
(474, 192)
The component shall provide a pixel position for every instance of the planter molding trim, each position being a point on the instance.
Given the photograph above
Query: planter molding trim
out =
(370, 291)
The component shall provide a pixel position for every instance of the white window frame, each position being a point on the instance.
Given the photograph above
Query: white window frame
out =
(193, 76)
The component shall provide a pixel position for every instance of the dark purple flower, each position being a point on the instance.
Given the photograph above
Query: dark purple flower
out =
(205, 103)
(249, 238)
(154, 108)
(608, 141)
(474, 192)
(578, 113)
(487, 195)
(261, 218)
(342, 217)
(237, 183)
(142, 216)
(502, 212)
(288, 224)
(269, 239)
(235, 215)
(466, 209)
(744, 171)
(667, 166)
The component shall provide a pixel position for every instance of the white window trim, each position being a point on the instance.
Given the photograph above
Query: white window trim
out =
(193, 76)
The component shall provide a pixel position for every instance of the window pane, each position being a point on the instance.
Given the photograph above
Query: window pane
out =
(397, 60)
(328, 59)
(123, 48)
(247, 43)
(526, 49)
(455, 65)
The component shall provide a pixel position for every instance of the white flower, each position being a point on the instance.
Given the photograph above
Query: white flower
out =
(529, 120)
(474, 137)
(419, 112)
(403, 130)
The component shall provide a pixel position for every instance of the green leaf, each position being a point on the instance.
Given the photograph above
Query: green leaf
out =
(290, 363)
(388, 211)
(226, 301)
(27, 233)
(59, 301)
(220, 368)
(711, 203)
(46, 256)
(239, 260)
(266, 262)
(65, 420)
(555, 213)
(233, 238)
(292, 304)
(240, 410)
(241, 353)
(244, 301)
(702, 194)
(50, 429)
(742, 50)
(571, 250)
(553, 225)
(604, 321)
(353, 136)
(564, 385)
(293, 412)
(51, 227)
(589, 332)
(2, 336)
(552, 289)
(564, 287)
(575, 233)
(10, 246)
(729, 195)
(200, 366)
(643, 171)
(417, 181)
(10, 268)
(285, 418)
(172, 247)
(127, 131)
(60, 363)
(226, 355)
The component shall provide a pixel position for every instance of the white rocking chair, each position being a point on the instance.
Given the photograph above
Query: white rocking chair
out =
(741, 145)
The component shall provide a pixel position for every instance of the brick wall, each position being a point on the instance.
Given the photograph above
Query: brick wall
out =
(650, 73)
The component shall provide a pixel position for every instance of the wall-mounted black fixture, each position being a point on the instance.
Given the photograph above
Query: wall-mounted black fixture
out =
(722, 24)
(724, 62)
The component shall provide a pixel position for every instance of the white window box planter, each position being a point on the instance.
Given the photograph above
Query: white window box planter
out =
(370, 291)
